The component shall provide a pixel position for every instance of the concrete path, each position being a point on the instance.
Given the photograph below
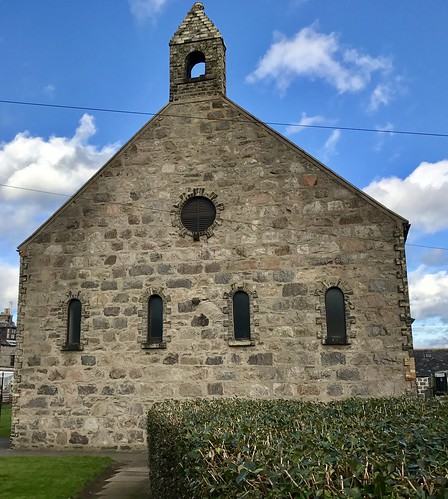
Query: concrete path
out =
(4, 444)
(129, 481)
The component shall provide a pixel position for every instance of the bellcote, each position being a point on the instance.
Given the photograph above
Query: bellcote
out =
(197, 41)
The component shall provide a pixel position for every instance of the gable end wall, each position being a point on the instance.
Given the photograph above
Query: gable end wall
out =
(288, 229)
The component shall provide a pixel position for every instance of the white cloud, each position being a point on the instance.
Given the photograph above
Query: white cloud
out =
(434, 258)
(383, 135)
(9, 287)
(330, 144)
(305, 120)
(318, 56)
(56, 164)
(49, 90)
(381, 95)
(429, 294)
(430, 334)
(146, 9)
(388, 127)
(59, 164)
(329, 148)
(421, 197)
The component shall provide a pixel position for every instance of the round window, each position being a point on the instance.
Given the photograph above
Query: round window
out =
(197, 214)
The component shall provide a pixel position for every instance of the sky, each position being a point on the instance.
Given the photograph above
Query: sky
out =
(377, 65)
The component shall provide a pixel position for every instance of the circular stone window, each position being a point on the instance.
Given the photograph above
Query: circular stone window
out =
(197, 214)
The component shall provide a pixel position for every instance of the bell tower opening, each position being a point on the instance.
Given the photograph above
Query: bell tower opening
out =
(195, 65)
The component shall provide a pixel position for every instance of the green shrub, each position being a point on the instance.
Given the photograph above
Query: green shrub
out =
(395, 448)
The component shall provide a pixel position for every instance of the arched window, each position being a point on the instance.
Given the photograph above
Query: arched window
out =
(241, 316)
(155, 319)
(335, 316)
(74, 323)
(195, 60)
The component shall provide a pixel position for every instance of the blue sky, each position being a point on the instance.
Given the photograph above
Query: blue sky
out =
(347, 63)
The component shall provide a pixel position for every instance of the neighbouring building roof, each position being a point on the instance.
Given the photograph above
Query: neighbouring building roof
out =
(428, 361)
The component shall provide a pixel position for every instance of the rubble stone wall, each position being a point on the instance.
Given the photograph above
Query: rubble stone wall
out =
(289, 229)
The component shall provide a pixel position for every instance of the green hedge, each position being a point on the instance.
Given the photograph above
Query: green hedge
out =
(395, 448)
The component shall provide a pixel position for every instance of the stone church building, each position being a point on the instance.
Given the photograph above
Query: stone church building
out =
(210, 257)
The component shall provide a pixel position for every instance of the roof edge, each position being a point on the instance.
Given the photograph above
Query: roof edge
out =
(353, 188)
(91, 179)
(404, 222)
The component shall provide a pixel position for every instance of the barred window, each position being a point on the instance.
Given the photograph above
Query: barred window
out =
(241, 316)
(155, 319)
(335, 317)
(74, 323)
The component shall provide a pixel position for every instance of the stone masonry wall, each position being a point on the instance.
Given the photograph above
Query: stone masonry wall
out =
(424, 386)
(6, 352)
(289, 229)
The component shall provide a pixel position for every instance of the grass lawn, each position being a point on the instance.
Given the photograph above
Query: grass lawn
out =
(48, 477)
(5, 420)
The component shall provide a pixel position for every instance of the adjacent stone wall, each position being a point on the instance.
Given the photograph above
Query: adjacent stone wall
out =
(424, 386)
(6, 351)
(289, 228)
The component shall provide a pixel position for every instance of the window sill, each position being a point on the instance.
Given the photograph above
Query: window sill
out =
(241, 343)
(335, 341)
(154, 345)
(72, 347)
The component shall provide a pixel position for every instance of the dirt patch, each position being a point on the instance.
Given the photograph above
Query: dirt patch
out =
(99, 482)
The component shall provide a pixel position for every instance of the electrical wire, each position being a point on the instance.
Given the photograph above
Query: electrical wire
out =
(430, 247)
(143, 113)
(271, 123)
(298, 125)
(34, 190)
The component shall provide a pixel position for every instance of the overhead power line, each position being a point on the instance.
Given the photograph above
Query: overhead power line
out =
(430, 247)
(34, 190)
(271, 123)
(144, 113)
(79, 108)
(240, 222)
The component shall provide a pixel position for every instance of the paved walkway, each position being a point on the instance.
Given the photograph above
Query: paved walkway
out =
(129, 480)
